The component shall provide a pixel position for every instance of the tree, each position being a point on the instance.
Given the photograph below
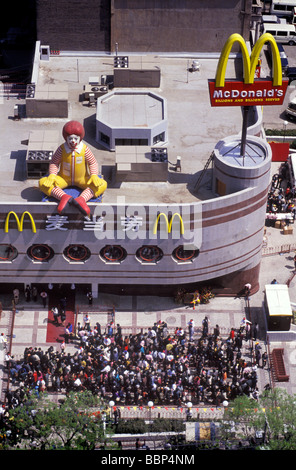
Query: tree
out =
(75, 423)
(273, 415)
(239, 419)
(279, 413)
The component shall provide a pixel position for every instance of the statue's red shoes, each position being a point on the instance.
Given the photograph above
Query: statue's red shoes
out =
(80, 203)
(64, 202)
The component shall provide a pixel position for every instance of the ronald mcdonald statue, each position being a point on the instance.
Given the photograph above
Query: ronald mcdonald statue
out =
(73, 164)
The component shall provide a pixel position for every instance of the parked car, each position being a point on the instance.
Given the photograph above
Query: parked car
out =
(291, 109)
(283, 56)
(284, 59)
(291, 74)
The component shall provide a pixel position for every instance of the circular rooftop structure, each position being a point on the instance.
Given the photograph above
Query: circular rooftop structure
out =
(131, 118)
(254, 154)
(234, 171)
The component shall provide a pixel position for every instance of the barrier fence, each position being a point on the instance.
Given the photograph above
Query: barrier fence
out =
(274, 250)
(13, 90)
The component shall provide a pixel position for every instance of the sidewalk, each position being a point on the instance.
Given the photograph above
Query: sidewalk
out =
(135, 312)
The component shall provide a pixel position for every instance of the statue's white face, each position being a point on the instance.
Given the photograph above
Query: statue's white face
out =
(73, 140)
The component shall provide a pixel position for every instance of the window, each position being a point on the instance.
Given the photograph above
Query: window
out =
(104, 138)
(7, 253)
(77, 253)
(113, 253)
(182, 255)
(149, 254)
(279, 7)
(40, 253)
(158, 138)
(131, 141)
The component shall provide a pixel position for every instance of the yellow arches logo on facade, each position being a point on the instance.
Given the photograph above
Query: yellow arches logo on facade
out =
(20, 222)
(250, 62)
(168, 223)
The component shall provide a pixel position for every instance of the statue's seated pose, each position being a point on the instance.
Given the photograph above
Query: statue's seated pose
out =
(73, 164)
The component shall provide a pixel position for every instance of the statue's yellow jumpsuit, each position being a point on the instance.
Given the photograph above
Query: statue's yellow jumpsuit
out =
(70, 167)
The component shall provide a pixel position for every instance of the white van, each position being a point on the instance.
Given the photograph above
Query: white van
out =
(273, 19)
(282, 7)
(284, 33)
(291, 109)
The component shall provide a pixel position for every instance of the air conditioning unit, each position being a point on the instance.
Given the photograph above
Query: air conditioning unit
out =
(40, 155)
(120, 62)
(30, 92)
(159, 155)
(37, 163)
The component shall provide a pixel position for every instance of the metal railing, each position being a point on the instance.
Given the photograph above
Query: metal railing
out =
(274, 250)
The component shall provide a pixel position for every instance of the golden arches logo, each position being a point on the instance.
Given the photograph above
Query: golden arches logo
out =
(249, 62)
(168, 223)
(20, 222)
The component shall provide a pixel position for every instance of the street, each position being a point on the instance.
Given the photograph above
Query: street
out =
(274, 116)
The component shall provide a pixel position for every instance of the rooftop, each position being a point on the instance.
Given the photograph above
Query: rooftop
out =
(123, 108)
(194, 127)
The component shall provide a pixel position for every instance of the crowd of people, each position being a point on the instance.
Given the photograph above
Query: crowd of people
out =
(281, 197)
(167, 368)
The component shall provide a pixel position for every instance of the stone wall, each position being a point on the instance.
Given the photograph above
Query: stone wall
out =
(177, 25)
(82, 25)
(141, 25)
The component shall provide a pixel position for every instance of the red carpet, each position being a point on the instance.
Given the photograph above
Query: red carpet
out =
(55, 334)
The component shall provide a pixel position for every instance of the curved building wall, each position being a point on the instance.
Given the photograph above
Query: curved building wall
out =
(226, 232)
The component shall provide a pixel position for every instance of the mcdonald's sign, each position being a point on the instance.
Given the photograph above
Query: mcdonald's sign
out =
(20, 222)
(168, 223)
(249, 92)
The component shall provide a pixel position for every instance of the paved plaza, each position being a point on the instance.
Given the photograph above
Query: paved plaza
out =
(134, 313)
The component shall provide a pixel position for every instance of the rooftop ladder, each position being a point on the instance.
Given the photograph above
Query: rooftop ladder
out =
(197, 184)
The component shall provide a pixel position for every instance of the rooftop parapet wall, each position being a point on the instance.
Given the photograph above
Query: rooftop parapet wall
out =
(228, 231)
(234, 172)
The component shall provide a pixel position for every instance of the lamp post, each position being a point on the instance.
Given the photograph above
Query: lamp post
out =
(150, 405)
(104, 422)
(285, 129)
(111, 404)
(188, 411)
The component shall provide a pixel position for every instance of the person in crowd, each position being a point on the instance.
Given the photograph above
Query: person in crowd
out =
(167, 369)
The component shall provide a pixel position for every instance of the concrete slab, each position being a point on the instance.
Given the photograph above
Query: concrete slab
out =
(193, 130)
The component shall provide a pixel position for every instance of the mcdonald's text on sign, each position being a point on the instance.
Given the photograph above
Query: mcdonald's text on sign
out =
(237, 93)
(249, 92)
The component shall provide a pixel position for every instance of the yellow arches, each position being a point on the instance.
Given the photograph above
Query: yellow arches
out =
(168, 223)
(249, 62)
(19, 222)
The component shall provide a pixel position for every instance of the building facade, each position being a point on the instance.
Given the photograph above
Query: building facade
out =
(147, 248)
(166, 26)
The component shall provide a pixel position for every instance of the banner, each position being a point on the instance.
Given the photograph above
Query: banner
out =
(237, 93)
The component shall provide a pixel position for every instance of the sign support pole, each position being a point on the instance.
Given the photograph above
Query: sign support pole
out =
(244, 132)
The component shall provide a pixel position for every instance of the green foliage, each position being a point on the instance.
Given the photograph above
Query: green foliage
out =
(167, 425)
(68, 425)
(132, 426)
(274, 415)
(282, 132)
(140, 426)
